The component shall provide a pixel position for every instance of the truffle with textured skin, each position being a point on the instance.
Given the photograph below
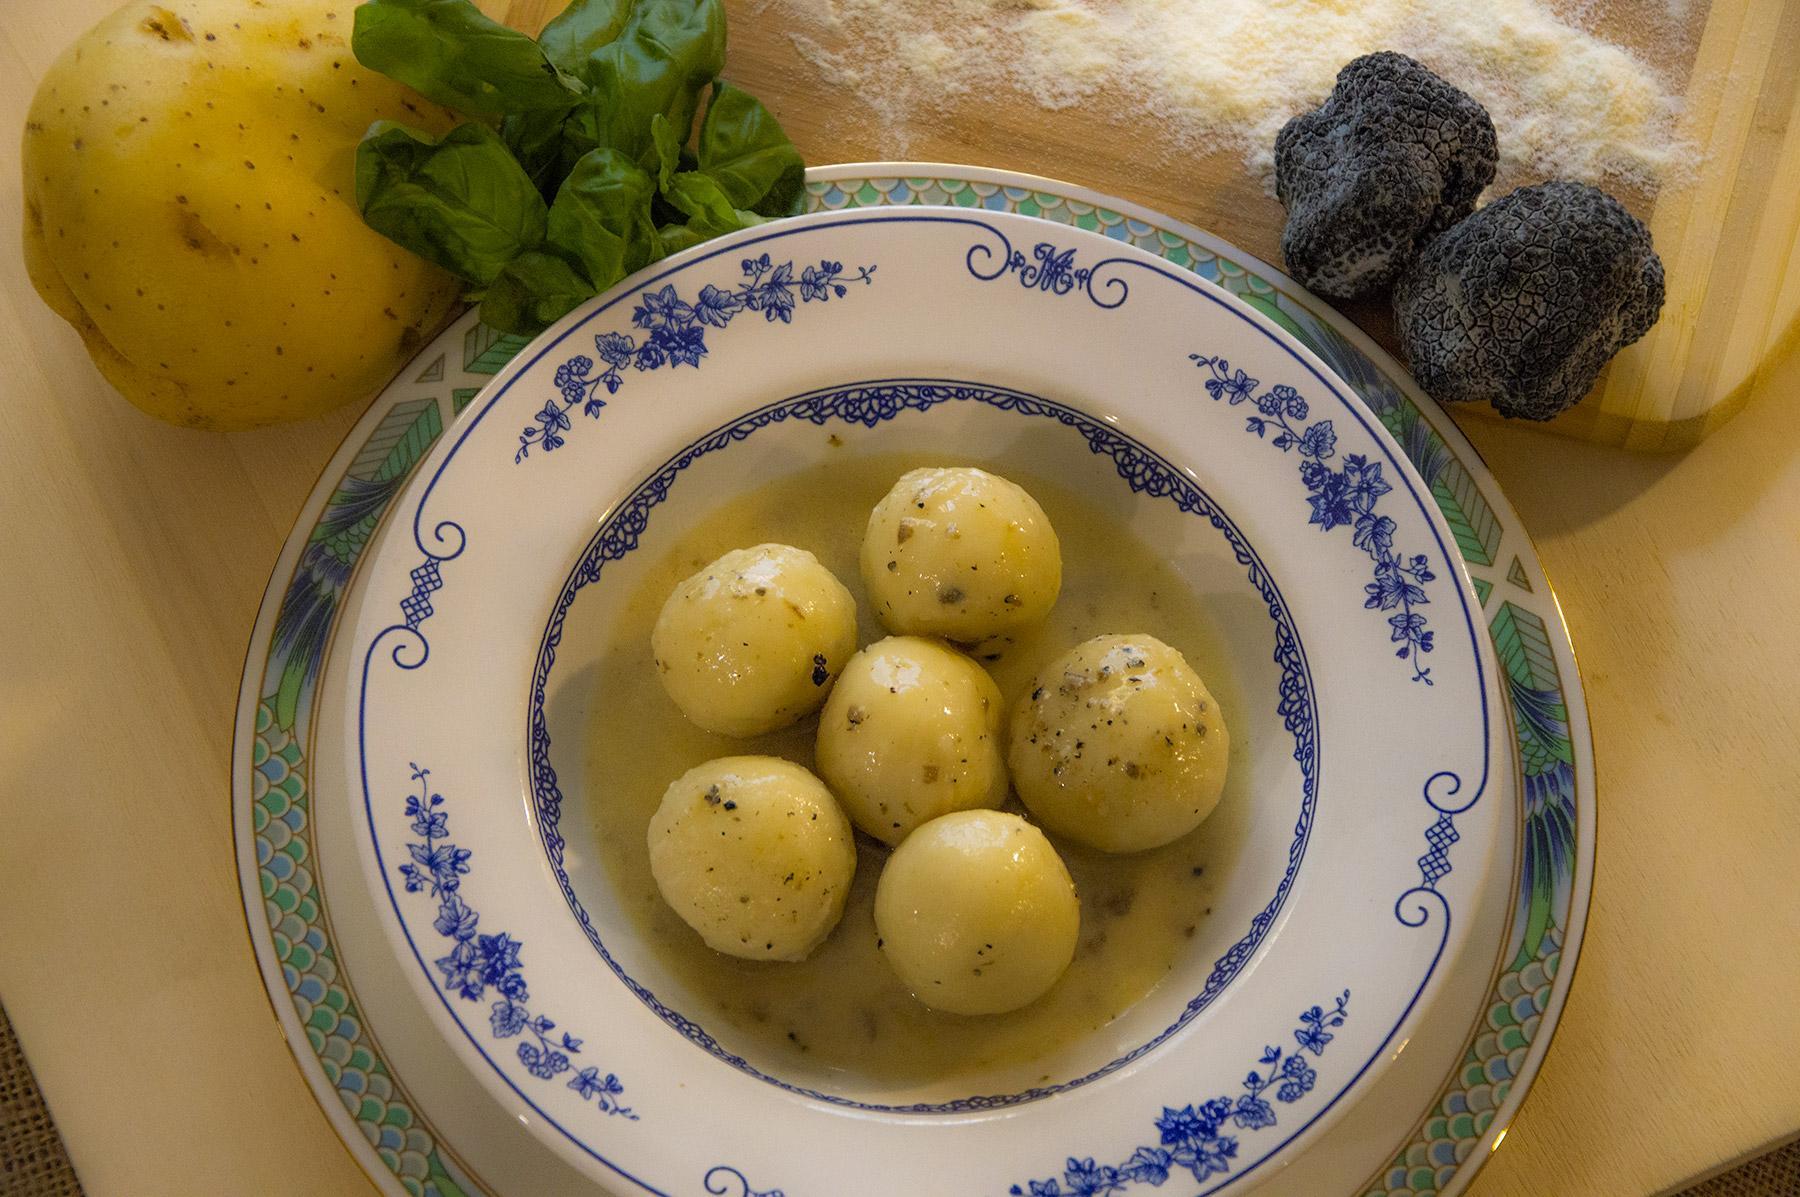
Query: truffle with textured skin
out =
(1524, 302)
(1394, 157)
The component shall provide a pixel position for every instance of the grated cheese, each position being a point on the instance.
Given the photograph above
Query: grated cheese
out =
(1566, 103)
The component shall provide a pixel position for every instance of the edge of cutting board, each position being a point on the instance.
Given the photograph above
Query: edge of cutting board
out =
(1730, 243)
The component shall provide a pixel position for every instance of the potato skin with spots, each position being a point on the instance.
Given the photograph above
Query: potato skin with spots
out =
(190, 209)
(911, 731)
(754, 854)
(1118, 745)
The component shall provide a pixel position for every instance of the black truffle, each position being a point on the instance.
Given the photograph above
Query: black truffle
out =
(1523, 303)
(1394, 157)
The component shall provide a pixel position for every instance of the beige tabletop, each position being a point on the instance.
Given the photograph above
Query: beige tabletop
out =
(133, 556)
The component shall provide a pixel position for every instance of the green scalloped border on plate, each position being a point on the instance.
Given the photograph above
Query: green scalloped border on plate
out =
(419, 407)
(414, 412)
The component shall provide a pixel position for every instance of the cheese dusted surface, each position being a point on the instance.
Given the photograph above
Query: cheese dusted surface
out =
(843, 1012)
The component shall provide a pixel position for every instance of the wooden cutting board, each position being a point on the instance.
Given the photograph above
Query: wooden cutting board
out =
(1729, 236)
(1730, 240)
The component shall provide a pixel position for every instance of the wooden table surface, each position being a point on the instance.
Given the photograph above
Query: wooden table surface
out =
(133, 556)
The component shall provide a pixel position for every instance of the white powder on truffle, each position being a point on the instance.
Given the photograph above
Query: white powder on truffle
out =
(1566, 103)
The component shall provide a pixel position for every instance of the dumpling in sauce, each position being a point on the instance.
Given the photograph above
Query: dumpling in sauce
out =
(960, 553)
(752, 642)
(911, 732)
(977, 913)
(754, 854)
(1118, 745)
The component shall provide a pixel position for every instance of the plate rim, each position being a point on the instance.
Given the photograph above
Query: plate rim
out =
(1570, 682)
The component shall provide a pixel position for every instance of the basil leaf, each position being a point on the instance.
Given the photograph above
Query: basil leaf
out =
(665, 149)
(536, 140)
(578, 170)
(709, 210)
(743, 146)
(534, 291)
(601, 217)
(462, 202)
(578, 32)
(447, 51)
(668, 51)
(673, 238)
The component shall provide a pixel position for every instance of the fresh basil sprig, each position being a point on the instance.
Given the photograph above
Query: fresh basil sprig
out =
(742, 147)
(602, 216)
(448, 52)
(576, 168)
(462, 201)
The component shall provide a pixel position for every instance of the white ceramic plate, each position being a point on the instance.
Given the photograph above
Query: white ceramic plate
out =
(1380, 852)
(420, 1124)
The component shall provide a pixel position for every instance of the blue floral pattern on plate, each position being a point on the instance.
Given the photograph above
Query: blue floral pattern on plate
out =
(869, 403)
(1192, 1139)
(674, 334)
(1340, 498)
(477, 963)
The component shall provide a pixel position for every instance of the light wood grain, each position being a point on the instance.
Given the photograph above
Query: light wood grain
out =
(1729, 240)
(133, 556)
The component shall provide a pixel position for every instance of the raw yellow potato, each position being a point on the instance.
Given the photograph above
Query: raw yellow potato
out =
(190, 209)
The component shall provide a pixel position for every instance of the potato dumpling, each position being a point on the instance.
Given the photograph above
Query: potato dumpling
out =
(754, 854)
(752, 642)
(959, 553)
(1118, 745)
(911, 732)
(976, 913)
